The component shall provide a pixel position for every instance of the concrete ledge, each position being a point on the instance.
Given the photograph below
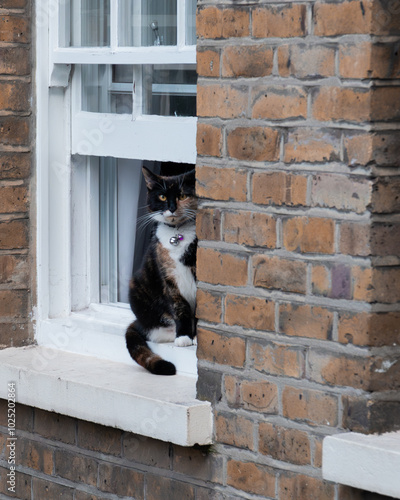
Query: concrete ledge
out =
(108, 393)
(368, 462)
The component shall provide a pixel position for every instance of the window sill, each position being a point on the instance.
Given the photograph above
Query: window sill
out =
(367, 462)
(108, 393)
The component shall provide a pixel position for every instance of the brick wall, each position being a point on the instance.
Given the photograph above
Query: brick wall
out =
(15, 172)
(298, 264)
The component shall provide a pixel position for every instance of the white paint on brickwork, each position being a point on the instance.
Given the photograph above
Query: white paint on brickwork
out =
(367, 462)
(108, 393)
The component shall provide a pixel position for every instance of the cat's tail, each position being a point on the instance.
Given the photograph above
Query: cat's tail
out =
(143, 355)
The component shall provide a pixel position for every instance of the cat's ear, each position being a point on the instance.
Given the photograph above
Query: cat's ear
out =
(150, 178)
(190, 176)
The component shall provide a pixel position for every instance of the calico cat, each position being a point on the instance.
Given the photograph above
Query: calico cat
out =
(162, 293)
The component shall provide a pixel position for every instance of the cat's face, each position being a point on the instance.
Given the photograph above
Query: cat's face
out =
(171, 200)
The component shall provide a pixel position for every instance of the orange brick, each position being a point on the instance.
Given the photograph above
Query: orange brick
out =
(303, 61)
(208, 306)
(288, 445)
(312, 145)
(232, 391)
(220, 349)
(209, 23)
(212, 22)
(14, 165)
(369, 329)
(34, 455)
(285, 21)
(279, 188)
(208, 224)
(386, 285)
(249, 312)
(259, 396)
(304, 487)
(279, 102)
(13, 199)
(252, 478)
(208, 63)
(221, 268)
(235, 22)
(359, 149)
(365, 60)
(331, 19)
(209, 140)
(363, 288)
(320, 280)
(250, 228)
(221, 183)
(305, 321)
(222, 100)
(309, 235)
(341, 192)
(247, 61)
(342, 104)
(317, 455)
(234, 430)
(312, 407)
(278, 359)
(253, 144)
(280, 274)
(14, 29)
(355, 238)
(14, 61)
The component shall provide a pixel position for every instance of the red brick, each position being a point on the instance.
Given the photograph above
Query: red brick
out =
(14, 29)
(342, 18)
(209, 23)
(14, 165)
(209, 140)
(253, 144)
(250, 228)
(34, 455)
(13, 234)
(14, 131)
(278, 359)
(359, 149)
(382, 100)
(369, 329)
(209, 306)
(14, 270)
(312, 145)
(279, 188)
(212, 22)
(208, 63)
(99, 438)
(303, 61)
(54, 426)
(220, 349)
(309, 406)
(15, 61)
(221, 183)
(12, 4)
(342, 104)
(13, 199)
(208, 224)
(75, 467)
(305, 321)
(304, 488)
(234, 430)
(385, 239)
(309, 235)
(366, 60)
(197, 464)
(46, 490)
(14, 96)
(280, 274)
(221, 268)
(121, 481)
(259, 396)
(386, 195)
(285, 21)
(247, 61)
(279, 102)
(288, 445)
(146, 451)
(235, 22)
(222, 100)
(249, 312)
(22, 484)
(341, 192)
(252, 478)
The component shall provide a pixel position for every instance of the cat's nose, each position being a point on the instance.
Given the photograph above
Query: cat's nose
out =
(172, 207)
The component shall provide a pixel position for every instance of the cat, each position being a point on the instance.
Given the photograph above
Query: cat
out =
(162, 293)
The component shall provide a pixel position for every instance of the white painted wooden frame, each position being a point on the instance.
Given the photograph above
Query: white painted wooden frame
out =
(68, 314)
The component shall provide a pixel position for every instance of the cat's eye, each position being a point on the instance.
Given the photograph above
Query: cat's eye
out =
(162, 197)
(182, 196)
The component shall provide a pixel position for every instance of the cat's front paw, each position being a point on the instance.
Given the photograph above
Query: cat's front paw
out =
(183, 341)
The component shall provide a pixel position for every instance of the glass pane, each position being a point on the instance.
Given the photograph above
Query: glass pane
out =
(190, 22)
(147, 22)
(90, 23)
(124, 228)
(151, 89)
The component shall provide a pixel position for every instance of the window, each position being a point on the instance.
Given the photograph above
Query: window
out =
(120, 93)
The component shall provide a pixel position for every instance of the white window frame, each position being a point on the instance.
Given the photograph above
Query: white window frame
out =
(67, 204)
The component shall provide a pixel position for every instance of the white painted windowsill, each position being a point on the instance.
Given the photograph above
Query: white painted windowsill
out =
(368, 462)
(109, 393)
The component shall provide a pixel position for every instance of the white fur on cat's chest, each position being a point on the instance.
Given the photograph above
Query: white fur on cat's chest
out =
(183, 275)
